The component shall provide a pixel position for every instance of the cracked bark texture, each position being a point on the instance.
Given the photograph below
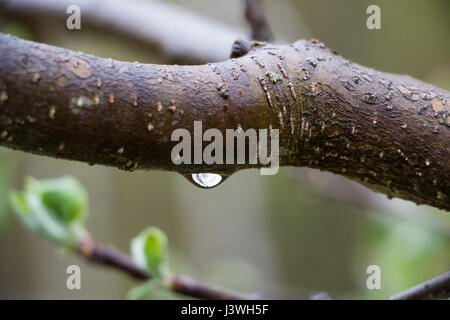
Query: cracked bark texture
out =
(389, 132)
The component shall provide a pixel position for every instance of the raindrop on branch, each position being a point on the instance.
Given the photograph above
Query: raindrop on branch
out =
(206, 180)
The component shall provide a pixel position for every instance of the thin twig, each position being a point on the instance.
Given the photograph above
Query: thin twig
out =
(436, 288)
(109, 256)
(255, 15)
(320, 296)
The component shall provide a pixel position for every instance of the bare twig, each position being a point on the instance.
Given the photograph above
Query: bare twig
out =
(256, 17)
(436, 288)
(320, 296)
(182, 35)
(109, 256)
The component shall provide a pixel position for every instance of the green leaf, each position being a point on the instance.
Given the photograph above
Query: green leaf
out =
(144, 290)
(19, 204)
(56, 208)
(66, 198)
(149, 251)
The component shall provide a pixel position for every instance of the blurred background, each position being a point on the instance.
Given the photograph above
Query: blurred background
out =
(285, 236)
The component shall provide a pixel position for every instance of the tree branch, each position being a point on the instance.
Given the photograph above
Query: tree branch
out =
(182, 35)
(256, 17)
(436, 288)
(389, 132)
(109, 256)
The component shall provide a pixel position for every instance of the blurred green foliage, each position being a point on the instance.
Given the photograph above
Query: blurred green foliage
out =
(407, 254)
(55, 208)
(6, 172)
(17, 29)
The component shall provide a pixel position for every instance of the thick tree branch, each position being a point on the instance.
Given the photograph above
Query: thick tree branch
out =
(436, 288)
(110, 256)
(386, 131)
(182, 35)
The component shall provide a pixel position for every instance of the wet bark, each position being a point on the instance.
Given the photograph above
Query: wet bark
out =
(386, 131)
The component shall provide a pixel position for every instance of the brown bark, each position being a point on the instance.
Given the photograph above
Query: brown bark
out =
(436, 288)
(386, 131)
(100, 254)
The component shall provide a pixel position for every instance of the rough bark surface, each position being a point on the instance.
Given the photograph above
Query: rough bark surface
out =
(386, 131)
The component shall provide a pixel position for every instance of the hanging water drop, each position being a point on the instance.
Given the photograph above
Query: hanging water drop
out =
(207, 180)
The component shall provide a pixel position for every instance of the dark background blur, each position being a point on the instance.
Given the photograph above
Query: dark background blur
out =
(284, 235)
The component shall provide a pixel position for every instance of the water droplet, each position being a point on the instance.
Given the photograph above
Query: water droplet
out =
(207, 180)
(36, 77)
(80, 102)
(172, 107)
(96, 100)
(52, 112)
(135, 101)
(3, 96)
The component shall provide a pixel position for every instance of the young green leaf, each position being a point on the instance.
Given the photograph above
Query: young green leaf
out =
(144, 290)
(149, 251)
(65, 197)
(56, 208)
(19, 204)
